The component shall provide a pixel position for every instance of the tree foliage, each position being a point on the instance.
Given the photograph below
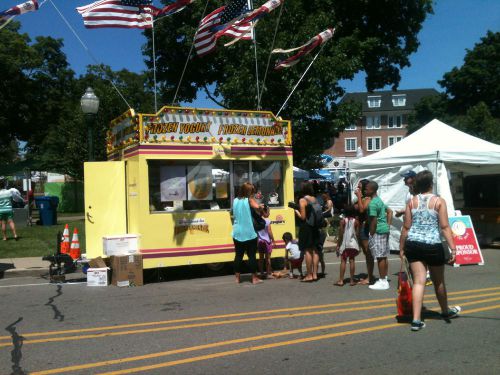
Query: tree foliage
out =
(376, 37)
(40, 100)
(471, 100)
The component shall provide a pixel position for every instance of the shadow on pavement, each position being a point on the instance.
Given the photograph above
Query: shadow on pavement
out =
(16, 354)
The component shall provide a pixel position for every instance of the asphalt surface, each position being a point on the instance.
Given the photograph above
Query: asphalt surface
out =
(210, 325)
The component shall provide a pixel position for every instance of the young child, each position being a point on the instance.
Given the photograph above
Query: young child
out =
(348, 244)
(265, 244)
(293, 255)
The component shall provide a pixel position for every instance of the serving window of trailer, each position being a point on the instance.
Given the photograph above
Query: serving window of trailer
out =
(187, 185)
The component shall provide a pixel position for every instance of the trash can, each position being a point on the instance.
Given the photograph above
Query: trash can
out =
(47, 207)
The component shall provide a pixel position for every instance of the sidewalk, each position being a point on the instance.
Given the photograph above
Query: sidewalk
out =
(19, 267)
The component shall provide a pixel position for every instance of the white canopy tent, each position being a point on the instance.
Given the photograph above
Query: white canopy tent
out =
(437, 147)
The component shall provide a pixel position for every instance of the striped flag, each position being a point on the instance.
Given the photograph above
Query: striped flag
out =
(7, 15)
(173, 8)
(304, 50)
(129, 14)
(218, 23)
(243, 27)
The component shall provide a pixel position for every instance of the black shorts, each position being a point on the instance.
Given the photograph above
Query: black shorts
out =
(430, 254)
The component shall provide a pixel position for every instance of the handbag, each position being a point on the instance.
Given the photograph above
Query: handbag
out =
(258, 222)
(404, 300)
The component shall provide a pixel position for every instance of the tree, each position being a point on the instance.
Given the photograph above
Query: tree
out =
(375, 37)
(471, 100)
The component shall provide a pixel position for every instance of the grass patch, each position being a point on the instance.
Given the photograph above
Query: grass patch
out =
(38, 240)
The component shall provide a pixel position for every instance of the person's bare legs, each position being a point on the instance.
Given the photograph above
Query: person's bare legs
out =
(4, 231)
(419, 272)
(370, 263)
(352, 265)
(261, 263)
(437, 277)
(342, 272)
(383, 267)
(315, 264)
(268, 266)
(309, 264)
(13, 228)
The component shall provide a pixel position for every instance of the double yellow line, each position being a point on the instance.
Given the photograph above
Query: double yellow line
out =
(460, 296)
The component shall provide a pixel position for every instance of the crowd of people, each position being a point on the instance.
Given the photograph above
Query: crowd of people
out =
(364, 226)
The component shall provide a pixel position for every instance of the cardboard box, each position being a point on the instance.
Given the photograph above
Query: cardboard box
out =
(125, 244)
(98, 276)
(97, 263)
(126, 270)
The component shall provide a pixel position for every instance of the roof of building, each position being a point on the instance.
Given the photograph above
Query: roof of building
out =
(412, 97)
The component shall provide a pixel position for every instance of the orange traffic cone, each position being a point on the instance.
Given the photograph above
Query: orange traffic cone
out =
(65, 246)
(75, 246)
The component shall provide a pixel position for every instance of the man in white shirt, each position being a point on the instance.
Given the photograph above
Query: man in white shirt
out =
(6, 211)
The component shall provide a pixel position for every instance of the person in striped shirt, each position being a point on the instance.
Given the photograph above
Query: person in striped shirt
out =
(6, 212)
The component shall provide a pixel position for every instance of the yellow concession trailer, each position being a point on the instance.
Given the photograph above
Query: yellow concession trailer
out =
(171, 178)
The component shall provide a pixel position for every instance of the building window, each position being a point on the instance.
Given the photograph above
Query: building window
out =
(395, 121)
(373, 122)
(399, 100)
(351, 127)
(374, 101)
(373, 143)
(351, 144)
(394, 139)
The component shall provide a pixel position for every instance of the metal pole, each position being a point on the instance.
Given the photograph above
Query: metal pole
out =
(300, 80)
(254, 38)
(154, 64)
(90, 135)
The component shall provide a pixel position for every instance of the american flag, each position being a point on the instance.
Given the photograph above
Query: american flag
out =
(7, 15)
(129, 14)
(174, 7)
(248, 21)
(221, 22)
(304, 50)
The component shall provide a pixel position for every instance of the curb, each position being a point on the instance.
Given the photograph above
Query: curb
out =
(23, 272)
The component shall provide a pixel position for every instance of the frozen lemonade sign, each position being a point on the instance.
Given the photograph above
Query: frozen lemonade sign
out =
(468, 251)
(192, 125)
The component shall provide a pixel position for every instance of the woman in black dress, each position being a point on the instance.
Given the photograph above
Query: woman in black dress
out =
(309, 236)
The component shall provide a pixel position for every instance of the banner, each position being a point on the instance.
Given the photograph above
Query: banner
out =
(468, 251)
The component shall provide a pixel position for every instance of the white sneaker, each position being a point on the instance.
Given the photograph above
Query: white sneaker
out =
(381, 284)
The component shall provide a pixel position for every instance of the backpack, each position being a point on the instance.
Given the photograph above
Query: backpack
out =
(315, 218)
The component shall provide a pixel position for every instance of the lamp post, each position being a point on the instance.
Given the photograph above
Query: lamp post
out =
(90, 106)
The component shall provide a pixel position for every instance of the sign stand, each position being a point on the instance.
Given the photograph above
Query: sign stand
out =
(468, 251)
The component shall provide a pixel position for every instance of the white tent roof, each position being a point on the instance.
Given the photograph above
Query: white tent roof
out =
(434, 141)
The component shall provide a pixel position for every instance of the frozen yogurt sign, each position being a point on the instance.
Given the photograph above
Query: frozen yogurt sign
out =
(206, 126)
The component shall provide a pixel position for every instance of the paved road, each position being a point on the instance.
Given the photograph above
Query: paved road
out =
(209, 325)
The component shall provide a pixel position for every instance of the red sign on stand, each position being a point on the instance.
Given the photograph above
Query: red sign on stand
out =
(468, 251)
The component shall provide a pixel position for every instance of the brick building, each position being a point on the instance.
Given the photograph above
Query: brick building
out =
(384, 122)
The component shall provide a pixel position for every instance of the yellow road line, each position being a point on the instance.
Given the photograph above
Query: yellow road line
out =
(268, 346)
(228, 342)
(212, 324)
(202, 318)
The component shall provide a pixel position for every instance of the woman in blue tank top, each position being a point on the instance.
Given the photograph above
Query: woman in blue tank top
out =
(426, 217)
(244, 235)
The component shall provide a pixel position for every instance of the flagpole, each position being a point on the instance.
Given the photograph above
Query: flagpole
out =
(269, 58)
(154, 64)
(254, 38)
(300, 80)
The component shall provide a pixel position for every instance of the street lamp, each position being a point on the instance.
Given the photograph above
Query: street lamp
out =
(90, 106)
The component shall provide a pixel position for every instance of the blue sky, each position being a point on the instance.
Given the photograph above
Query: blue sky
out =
(455, 26)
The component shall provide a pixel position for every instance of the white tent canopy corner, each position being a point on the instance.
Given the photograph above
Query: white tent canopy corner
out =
(437, 147)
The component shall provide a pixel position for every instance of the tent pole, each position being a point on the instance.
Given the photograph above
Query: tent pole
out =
(436, 175)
